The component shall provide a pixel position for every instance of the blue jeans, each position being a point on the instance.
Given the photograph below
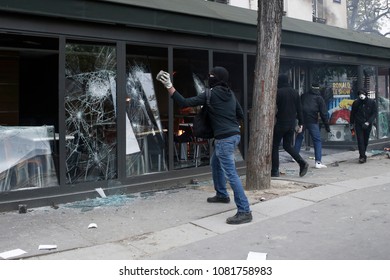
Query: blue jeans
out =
(224, 167)
(315, 134)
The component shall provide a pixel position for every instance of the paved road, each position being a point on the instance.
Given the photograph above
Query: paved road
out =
(345, 217)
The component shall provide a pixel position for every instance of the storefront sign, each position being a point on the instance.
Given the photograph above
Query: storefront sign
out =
(341, 89)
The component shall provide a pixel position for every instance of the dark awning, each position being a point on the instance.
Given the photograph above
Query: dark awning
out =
(204, 18)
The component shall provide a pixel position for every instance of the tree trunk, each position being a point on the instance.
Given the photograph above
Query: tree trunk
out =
(262, 115)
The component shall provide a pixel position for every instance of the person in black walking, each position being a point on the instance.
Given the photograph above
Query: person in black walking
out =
(224, 119)
(363, 114)
(313, 107)
(288, 110)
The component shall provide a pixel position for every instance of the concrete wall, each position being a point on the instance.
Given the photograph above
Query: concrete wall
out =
(299, 9)
(241, 3)
(336, 13)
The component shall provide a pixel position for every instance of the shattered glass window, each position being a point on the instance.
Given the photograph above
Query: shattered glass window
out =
(145, 144)
(90, 108)
(26, 157)
(383, 102)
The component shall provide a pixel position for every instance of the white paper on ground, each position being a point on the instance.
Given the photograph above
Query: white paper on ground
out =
(92, 225)
(101, 192)
(12, 253)
(47, 247)
(256, 256)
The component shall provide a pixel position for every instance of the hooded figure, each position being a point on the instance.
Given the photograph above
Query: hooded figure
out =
(315, 87)
(362, 94)
(288, 110)
(363, 114)
(283, 81)
(218, 76)
(224, 119)
(313, 106)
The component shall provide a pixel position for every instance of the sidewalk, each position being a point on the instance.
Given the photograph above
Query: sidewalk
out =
(178, 223)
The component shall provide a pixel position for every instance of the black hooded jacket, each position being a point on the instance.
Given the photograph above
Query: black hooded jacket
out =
(226, 111)
(363, 111)
(288, 105)
(312, 105)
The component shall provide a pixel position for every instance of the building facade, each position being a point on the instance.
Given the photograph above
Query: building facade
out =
(80, 108)
(329, 12)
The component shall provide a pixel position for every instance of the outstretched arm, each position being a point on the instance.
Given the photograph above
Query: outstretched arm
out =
(323, 113)
(165, 79)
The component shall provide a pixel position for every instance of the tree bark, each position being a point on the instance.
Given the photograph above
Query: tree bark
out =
(262, 115)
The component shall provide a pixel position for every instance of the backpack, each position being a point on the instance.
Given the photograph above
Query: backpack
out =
(201, 123)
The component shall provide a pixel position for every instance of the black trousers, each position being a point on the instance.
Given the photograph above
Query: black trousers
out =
(362, 136)
(285, 133)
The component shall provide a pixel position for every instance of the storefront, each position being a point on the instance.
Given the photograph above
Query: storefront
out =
(80, 107)
(339, 84)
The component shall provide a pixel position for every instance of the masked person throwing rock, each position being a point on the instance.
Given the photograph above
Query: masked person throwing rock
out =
(363, 114)
(224, 119)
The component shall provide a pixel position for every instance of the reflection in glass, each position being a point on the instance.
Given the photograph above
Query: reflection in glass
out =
(383, 103)
(369, 83)
(199, 85)
(191, 70)
(338, 86)
(90, 119)
(145, 146)
(26, 157)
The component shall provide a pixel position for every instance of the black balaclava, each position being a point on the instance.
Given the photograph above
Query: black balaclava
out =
(220, 77)
(283, 81)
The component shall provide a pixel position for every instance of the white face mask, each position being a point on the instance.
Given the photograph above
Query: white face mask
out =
(362, 96)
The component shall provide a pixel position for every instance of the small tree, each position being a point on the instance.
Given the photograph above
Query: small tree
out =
(262, 115)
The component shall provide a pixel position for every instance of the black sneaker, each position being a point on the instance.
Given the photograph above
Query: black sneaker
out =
(275, 174)
(303, 169)
(362, 160)
(218, 199)
(239, 218)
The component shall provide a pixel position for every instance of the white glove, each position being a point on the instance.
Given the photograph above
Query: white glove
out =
(164, 78)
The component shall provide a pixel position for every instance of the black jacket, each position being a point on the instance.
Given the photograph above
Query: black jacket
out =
(226, 111)
(313, 105)
(288, 106)
(363, 111)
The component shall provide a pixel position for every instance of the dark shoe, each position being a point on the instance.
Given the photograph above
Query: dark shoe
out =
(275, 173)
(303, 169)
(239, 218)
(218, 199)
(362, 160)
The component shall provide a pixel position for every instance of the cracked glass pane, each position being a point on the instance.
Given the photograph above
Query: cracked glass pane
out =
(145, 146)
(26, 155)
(90, 113)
